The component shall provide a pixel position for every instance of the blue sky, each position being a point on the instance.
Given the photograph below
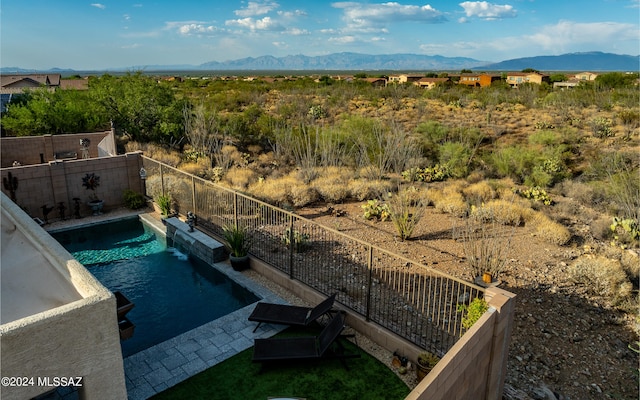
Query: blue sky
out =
(42, 34)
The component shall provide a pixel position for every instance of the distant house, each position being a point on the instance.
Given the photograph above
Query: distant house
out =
(404, 78)
(583, 76)
(517, 78)
(376, 81)
(19, 83)
(478, 80)
(430, 83)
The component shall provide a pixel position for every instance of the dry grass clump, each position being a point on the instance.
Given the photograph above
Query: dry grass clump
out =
(550, 231)
(501, 211)
(448, 199)
(602, 276)
(285, 190)
(303, 194)
(274, 190)
(240, 178)
(629, 260)
(333, 184)
(479, 192)
(156, 152)
(365, 189)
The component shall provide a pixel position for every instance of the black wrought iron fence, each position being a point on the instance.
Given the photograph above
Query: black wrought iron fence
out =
(414, 301)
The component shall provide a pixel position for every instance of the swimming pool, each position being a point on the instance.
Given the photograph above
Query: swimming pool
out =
(172, 293)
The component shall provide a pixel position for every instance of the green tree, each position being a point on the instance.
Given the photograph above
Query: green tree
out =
(139, 107)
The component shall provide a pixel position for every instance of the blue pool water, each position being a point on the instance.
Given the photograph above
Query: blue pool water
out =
(172, 293)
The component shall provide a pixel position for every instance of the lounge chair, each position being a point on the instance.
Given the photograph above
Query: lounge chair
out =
(290, 315)
(304, 348)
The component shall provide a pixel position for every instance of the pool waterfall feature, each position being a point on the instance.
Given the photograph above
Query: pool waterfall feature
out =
(194, 242)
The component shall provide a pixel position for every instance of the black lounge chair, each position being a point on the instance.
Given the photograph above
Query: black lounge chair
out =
(290, 315)
(304, 348)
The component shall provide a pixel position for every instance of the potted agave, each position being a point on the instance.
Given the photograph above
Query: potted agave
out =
(238, 243)
(91, 182)
(426, 362)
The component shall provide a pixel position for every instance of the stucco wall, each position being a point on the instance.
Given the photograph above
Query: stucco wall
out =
(27, 149)
(61, 181)
(73, 335)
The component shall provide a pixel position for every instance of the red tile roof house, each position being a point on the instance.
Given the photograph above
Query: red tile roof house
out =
(478, 80)
(516, 78)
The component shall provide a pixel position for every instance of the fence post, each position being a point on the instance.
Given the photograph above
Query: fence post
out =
(193, 195)
(162, 180)
(291, 244)
(235, 209)
(370, 268)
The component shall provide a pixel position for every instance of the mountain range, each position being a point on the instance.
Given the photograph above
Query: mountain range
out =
(589, 61)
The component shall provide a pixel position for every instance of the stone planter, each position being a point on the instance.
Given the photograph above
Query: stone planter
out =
(96, 206)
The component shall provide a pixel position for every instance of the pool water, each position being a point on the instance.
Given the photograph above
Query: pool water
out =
(172, 293)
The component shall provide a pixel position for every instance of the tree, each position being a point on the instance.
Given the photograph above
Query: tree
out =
(139, 107)
(466, 71)
(42, 112)
(528, 70)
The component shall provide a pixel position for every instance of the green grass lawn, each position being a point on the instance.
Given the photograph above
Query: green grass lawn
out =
(240, 378)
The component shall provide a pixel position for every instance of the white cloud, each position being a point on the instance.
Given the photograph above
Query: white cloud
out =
(360, 16)
(566, 34)
(488, 11)
(197, 29)
(254, 9)
(98, 5)
(126, 17)
(563, 37)
(343, 39)
(131, 46)
(292, 14)
(264, 24)
(297, 32)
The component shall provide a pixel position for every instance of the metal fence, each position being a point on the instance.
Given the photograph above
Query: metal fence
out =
(414, 301)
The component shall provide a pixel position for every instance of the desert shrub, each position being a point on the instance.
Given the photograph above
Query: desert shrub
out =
(473, 311)
(332, 185)
(602, 276)
(455, 157)
(513, 161)
(406, 209)
(479, 192)
(601, 127)
(544, 125)
(133, 200)
(240, 178)
(299, 239)
(275, 191)
(303, 194)
(579, 191)
(551, 231)
(486, 244)
(629, 260)
(192, 168)
(451, 203)
(503, 212)
(363, 189)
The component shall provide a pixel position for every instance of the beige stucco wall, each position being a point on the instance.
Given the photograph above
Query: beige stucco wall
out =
(64, 324)
(27, 149)
(61, 181)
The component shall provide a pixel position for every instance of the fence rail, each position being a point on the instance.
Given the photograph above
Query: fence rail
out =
(414, 301)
